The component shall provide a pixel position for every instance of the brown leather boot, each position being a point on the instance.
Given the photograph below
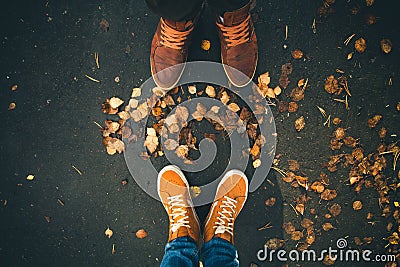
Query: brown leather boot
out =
(169, 48)
(173, 190)
(238, 45)
(228, 202)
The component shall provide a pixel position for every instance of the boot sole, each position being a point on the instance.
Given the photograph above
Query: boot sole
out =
(250, 78)
(170, 87)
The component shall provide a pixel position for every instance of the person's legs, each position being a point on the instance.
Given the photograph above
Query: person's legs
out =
(219, 7)
(175, 10)
(181, 252)
(184, 227)
(231, 195)
(219, 252)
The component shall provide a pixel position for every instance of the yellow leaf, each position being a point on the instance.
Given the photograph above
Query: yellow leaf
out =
(136, 92)
(30, 177)
(108, 232)
(205, 45)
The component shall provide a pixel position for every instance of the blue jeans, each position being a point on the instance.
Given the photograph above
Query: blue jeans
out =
(183, 252)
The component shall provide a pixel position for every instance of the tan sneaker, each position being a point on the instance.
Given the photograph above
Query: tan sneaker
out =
(229, 200)
(169, 48)
(173, 190)
(238, 45)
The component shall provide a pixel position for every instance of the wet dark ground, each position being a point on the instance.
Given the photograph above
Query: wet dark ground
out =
(47, 50)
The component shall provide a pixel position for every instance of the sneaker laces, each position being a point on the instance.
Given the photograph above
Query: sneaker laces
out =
(177, 206)
(226, 217)
(238, 34)
(172, 38)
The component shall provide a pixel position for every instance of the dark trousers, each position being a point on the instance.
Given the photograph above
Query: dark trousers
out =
(180, 10)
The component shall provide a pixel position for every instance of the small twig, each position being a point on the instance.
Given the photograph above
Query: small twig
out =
(347, 41)
(60, 202)
(267, 226)
(286, 32)
(314, 26)
(77, 170)
(281, 172)
(96, 58)
(294, 209)
(339, 71)
(91, 78)
(95, 122)
(328, 121)
(323, 112)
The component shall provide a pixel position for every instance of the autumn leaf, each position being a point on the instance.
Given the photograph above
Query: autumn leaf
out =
(136, 92)
(210, 91)
(357, 205)
(299, 124)
(141, 233)
(108, 232)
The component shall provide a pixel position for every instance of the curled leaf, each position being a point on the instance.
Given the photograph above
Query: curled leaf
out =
(108, 232)
(141, 233)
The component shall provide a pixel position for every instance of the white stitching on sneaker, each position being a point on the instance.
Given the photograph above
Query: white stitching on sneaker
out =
(177, 209)
(225, 223)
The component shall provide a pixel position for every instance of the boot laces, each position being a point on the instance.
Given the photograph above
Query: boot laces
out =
(172, 38)
(238, 34)
(178, 212)
(226, 217)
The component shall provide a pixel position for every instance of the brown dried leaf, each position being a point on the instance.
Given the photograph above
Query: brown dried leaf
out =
(360, 45)
(372, 122)
(328, 194)
(234, 107)
(264, 80)
(171, 144)
(270, 202)
(277, 90)
(327, 226)
(339, 133)
(141, 233)
(297, 94)
(297, 235)
(210, 91)
(317, 186)
(335, 209)
(290, 177)
(300, 208)
(108, 232)
(357, 205)
(289, 228)
(182, 151)
(299, 124)
(224, 97)
(386, 46)
(332, 85)
(115, 102)
(181, 114)
(336, 121)
(255, 151)
(256, 163)
(382, 132)
(297, 54)
(104, 25)
(12, 106)
(136, 92)
(328, 260)
(292, 107)
(306, 223)
(294, 165)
